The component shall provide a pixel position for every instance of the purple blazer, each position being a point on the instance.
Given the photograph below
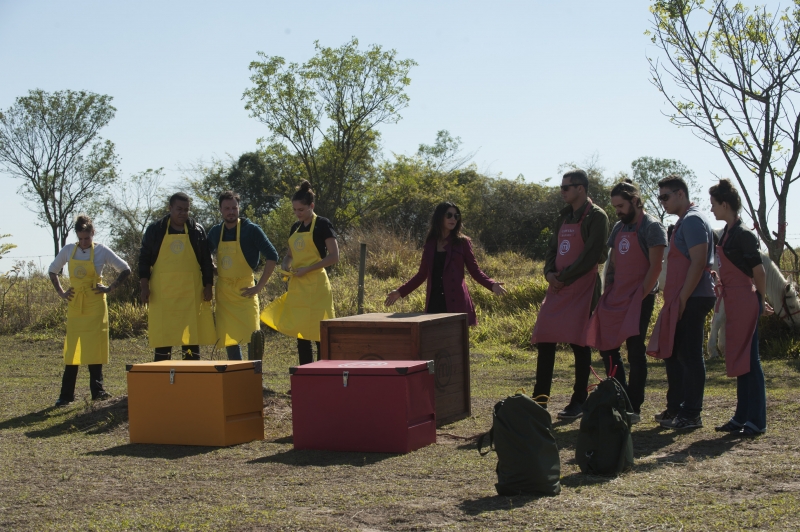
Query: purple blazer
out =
(455, 287)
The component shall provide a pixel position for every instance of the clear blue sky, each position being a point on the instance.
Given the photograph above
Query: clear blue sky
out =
(527, 85)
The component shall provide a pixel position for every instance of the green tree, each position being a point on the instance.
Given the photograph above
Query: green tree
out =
(51, 142)
(648, 171)
(327, 110)
(736, 74)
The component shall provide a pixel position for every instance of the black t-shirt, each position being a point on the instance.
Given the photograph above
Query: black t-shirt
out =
(323, 230)
(741, 248)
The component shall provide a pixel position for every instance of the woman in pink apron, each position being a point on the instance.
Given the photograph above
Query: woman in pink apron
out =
(444, 257)
(742, 286)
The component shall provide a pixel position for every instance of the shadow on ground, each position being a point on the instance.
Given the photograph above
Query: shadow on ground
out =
(147, 450)
(97, 418)
(322, 458)
(30, 419)
(496, 503)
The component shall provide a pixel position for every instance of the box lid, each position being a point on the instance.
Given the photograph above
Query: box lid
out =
(400, 318)
(196, 366)
(363, 367)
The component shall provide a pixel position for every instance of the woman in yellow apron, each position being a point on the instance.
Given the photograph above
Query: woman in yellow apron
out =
(312, 247)
(87, 313)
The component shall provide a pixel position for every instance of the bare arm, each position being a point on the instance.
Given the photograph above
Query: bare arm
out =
(330, 259)
(656, 255)
(760, 280)
(269, 267)
(57, 285)
(698, 255)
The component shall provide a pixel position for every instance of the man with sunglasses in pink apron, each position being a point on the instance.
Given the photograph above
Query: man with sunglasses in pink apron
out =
(576, 248)
(623, 313)
(679, 333)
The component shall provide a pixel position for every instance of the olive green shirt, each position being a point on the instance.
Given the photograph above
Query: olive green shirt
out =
(594, 231)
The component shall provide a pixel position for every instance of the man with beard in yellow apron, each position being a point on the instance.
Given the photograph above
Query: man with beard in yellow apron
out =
(177, 277)
(238, 244)
(87, 313)
(312, 247)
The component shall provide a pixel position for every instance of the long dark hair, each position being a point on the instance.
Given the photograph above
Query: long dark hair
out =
(437, 220)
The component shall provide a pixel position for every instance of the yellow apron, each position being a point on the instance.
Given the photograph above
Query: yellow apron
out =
(177, 314)
(87, 315)
(237, 316)
(308, 300)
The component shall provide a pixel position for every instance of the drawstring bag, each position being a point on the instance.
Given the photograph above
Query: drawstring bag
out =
(604, 445)
(527, 454)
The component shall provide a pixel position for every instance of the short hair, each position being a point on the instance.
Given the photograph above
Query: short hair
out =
(627, 191)
(179, 196)
(229, 195)
(674, 182)
(725, 192)
(304, 193)
(578, 177)
(83, 223)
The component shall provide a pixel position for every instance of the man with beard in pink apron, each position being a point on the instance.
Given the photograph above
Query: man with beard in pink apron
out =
(576, 248)
(679, 333)
(623, 313)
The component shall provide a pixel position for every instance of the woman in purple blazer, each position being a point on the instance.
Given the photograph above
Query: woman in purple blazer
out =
(444, 256)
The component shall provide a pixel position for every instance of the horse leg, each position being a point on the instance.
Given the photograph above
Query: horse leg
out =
(717, 333)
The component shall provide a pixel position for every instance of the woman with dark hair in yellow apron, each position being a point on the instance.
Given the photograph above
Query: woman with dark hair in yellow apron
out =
(308, 301)
(87, 313)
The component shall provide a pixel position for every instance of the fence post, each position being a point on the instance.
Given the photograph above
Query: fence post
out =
(362, 265)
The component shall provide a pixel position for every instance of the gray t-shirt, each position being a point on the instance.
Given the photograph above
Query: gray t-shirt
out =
(692, 230)
(650, 233)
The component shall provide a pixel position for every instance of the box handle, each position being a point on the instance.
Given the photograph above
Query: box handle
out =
(345, 375)
(172, 376)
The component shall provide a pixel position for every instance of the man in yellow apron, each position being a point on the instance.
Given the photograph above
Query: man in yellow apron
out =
(312, 247)
(177, 276)
(87, 314)
(238, 244)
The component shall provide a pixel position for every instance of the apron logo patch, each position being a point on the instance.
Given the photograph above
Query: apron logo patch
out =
(624, 245)
(176, 247)
(299, 244)
(80, 272)
(444, 369)
(564, 247)
(227, 262)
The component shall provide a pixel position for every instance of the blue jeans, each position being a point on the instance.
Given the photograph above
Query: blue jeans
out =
(751, 391)
(235, 352)
(686, 368)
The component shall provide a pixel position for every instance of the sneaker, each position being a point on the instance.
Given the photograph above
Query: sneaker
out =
(666, 415)
(571, 411)
(730, 426)
(679, 423)
(64, 402)
(635, 417)
(747, 432)
(102, 396)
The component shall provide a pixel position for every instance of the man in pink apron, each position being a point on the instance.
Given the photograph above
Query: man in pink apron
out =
(576, 248)
(623, 313)
(679, 333)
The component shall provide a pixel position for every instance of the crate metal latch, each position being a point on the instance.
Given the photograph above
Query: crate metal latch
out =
(172, 376)
(345, 375)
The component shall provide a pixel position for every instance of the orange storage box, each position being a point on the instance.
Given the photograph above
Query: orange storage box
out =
(195, 402)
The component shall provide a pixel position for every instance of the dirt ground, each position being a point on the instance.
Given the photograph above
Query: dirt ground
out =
(73, 468)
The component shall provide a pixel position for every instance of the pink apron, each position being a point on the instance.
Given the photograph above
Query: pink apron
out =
(619, 310)
(741, 316)
(564, 314)
(663, 337)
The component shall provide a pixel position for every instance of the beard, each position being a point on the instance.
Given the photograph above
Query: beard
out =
(627, 218)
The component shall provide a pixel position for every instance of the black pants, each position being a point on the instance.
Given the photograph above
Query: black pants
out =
(637, 357)
(304, 351)
(544, 370)
(686, 368)
(190, 352)
(71, 375)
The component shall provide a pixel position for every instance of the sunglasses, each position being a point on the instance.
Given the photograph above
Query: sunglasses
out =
(665, 197)
(564, 188)
(449, 215)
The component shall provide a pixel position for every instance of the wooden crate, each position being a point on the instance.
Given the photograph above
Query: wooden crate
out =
(443, 338)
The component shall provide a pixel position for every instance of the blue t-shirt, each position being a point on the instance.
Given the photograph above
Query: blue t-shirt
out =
(254, 242)
(692, 230)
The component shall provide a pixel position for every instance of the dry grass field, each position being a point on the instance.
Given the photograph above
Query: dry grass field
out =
(73, 469)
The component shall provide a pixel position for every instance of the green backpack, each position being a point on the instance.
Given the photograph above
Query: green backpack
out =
(527, 454)
(604, 444)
